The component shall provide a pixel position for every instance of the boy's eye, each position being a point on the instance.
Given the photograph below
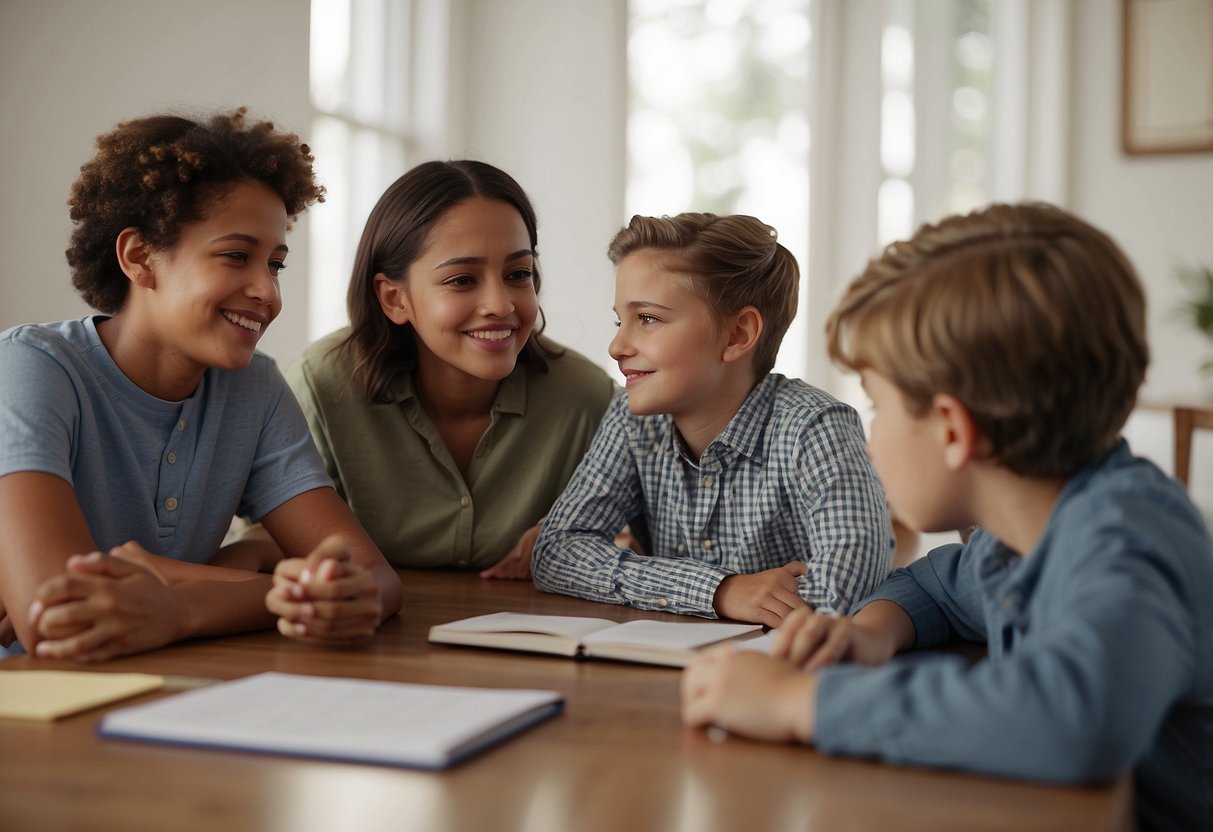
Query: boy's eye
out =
(646, 319)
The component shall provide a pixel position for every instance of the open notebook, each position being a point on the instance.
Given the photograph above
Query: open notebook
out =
(351, 720)
(671, 643)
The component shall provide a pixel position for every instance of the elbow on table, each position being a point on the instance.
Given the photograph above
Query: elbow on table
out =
(543, 572)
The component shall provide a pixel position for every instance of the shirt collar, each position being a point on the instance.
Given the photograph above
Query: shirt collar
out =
(745, 431)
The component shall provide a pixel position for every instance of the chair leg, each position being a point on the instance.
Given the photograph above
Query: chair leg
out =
(1185, 423)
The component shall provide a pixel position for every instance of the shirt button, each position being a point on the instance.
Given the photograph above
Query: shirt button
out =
(708, 482)
(465, 501)
(661, 602)
(171, 503)
(181, 425)
(172, 458)
(682, 547)
(707, 544)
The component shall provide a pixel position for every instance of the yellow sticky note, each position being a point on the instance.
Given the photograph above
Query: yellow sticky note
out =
(43, 695)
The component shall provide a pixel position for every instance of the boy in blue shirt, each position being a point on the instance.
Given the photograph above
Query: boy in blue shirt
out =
(751, 490)
(1003, 352)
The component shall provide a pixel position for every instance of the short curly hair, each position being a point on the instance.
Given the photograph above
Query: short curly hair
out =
(159, 173)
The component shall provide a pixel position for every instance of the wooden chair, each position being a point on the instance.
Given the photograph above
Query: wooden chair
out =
(1187, 418)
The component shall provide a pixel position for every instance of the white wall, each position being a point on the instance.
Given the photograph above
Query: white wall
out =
(544, 86)
(1160, 209)
(71, 69)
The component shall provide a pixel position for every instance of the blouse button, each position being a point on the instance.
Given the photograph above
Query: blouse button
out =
(465, 501)
(172, 458)
(171, 503)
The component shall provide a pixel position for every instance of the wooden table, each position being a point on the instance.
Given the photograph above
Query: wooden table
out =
(616, 759)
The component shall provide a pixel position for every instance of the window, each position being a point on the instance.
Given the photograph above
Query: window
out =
(936, 78)
(718, 118)
(360, 85)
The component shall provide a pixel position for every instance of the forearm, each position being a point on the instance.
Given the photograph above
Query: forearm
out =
(890, 623)
(254, 551)
(214, 608)
(592, 567)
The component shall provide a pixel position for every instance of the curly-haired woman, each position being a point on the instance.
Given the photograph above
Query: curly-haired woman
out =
(129, 439)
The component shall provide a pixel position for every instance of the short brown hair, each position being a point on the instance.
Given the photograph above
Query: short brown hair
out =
(1031, 317)
(159, 173)
(733, 261)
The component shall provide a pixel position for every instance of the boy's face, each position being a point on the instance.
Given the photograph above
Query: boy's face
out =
(908, 453)
(670, 343)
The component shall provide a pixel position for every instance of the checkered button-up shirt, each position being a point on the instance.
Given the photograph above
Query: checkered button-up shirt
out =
(787, 479)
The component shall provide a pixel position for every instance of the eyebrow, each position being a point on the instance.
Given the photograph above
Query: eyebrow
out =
(644, 304)
(480, 261)
(248, 238)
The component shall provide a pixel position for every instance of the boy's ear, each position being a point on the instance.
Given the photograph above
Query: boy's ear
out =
(135, 258)
(393, 300)
(743, 329)
(959, 435)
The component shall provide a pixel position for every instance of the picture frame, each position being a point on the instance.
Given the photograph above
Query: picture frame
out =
(1167, 82)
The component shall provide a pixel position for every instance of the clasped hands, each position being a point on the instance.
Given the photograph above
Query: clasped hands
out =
(326, 597)
(103, 606)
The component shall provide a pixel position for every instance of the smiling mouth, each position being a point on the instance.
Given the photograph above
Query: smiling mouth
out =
(490, 334)
(240, 320)
(634, 375)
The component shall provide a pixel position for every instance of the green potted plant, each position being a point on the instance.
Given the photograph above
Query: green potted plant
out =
(1197, 307)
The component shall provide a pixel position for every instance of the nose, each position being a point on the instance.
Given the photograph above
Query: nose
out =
(620, 348)
(495, 300)
(263, 287)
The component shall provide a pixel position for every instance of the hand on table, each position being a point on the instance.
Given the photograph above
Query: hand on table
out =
(517, 564)
(812, 641)
(325, 597)
(765, 597)
(750, 694)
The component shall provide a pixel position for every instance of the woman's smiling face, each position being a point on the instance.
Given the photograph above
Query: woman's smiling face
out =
(470, 295)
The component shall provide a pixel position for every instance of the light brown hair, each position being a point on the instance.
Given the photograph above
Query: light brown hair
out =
(1031, 317)
(732, 261)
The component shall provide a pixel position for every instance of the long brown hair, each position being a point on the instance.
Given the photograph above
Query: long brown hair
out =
(394, 237)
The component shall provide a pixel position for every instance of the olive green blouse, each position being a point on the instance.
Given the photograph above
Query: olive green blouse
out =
(390, 464)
